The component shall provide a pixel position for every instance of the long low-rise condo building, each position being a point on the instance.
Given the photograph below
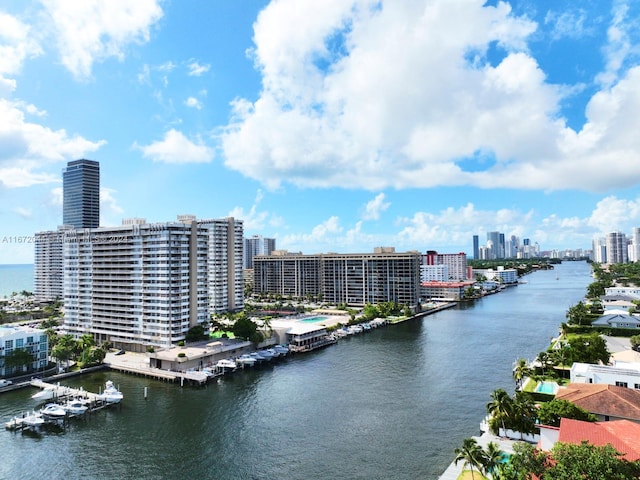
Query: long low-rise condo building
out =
(353, 279)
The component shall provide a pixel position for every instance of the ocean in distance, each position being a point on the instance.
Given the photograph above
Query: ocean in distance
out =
(15, 278)
(389, 404)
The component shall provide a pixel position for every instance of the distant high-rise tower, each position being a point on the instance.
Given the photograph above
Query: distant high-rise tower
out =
(81, 194)
(257, 245)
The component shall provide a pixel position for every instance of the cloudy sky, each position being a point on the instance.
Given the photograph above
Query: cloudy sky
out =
(333, 125)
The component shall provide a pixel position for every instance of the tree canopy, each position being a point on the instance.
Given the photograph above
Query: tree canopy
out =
(550, 413)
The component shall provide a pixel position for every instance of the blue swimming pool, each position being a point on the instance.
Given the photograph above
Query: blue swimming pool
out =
(549, 388)
(313, 319)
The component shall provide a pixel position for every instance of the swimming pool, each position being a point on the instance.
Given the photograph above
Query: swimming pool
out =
(550, 388)
(313, 319)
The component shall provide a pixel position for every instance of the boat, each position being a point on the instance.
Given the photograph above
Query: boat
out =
(274, 353)
(75, 407)
(33, 420)
(266, 354)
(281, 349)
(111, 394)
(53, 411)
(47, 393)
(247, 360)
(226, 365)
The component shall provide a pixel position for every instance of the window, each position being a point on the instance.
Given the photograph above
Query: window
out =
(622, 384)
(636, 386)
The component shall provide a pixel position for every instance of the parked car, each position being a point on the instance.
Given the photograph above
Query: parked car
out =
(5, 383)
(119, 352)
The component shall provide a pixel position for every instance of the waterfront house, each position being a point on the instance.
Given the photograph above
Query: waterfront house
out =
(607, 402)
(623, 435)
(617, 319)
(621, 374)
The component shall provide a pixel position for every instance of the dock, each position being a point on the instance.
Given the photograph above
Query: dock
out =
(62, 392)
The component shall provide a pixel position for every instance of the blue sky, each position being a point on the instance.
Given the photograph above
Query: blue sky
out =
(332, 126)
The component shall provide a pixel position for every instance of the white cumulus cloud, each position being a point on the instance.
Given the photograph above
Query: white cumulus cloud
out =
(176, 148)
(375, 95)
(93, 30)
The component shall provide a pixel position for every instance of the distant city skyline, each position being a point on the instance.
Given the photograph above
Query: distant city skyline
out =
(321, 124)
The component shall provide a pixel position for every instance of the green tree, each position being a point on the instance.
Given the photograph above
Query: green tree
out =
(471, 454)
(18, 358)
(247, 329)
(523, 413)
(520, 371)
(64, 348)
(586, 461)
(590, 348)
(493, 456)
(500, 409)
(635, 342)
(550, 413)
(525, 461)
(578, 314)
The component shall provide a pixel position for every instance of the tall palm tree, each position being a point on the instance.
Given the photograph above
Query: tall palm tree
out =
(500, 408)
(520, 371)
(471, 454)
(524, 413)
(492, 458)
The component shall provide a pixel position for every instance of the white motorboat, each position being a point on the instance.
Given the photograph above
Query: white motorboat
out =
(246, 360)
(266, 354)
(282, 349)
(33, 421)
(226, 365)
(53, 411)
(111, 394)
(75, 407)
(45, 394)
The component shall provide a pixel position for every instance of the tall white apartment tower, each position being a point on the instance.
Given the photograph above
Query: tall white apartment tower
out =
(634, 250)
(136, 285)
(225, 255)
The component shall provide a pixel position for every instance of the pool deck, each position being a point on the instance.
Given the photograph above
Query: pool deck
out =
(506, 445)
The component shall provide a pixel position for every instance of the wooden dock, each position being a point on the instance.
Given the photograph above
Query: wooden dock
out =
(61, 391)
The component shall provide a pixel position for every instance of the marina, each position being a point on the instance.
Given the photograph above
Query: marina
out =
(62, 404)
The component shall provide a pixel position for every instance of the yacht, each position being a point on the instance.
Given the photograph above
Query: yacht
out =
(75, 407)
(282, 349)
(246, 360)
(111, 394)
(226, 365)
(53, 411)
(266, 354)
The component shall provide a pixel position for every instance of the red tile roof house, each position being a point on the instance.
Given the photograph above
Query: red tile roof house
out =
(622, 435)
(607, 402)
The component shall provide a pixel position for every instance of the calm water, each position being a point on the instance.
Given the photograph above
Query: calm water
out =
(390, 404)
(15, 278)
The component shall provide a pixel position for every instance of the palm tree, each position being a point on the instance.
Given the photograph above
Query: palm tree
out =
(471, 454)
(500, 408)
(524, 413)
(520, 371)
(492, 458)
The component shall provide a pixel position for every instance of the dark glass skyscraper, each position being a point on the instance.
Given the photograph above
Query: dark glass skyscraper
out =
(81, 194)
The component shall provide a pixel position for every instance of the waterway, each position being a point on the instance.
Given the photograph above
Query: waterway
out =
(392, 403)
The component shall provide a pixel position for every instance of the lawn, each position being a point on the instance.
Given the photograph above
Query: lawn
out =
(466, 475)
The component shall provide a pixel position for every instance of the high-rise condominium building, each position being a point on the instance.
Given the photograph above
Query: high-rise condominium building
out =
(616, 246)
(81, 194)
(354, 279)
(257, 245)
(142, 284)
(456, 264)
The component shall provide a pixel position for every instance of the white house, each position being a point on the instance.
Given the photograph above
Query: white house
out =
(621, 374)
